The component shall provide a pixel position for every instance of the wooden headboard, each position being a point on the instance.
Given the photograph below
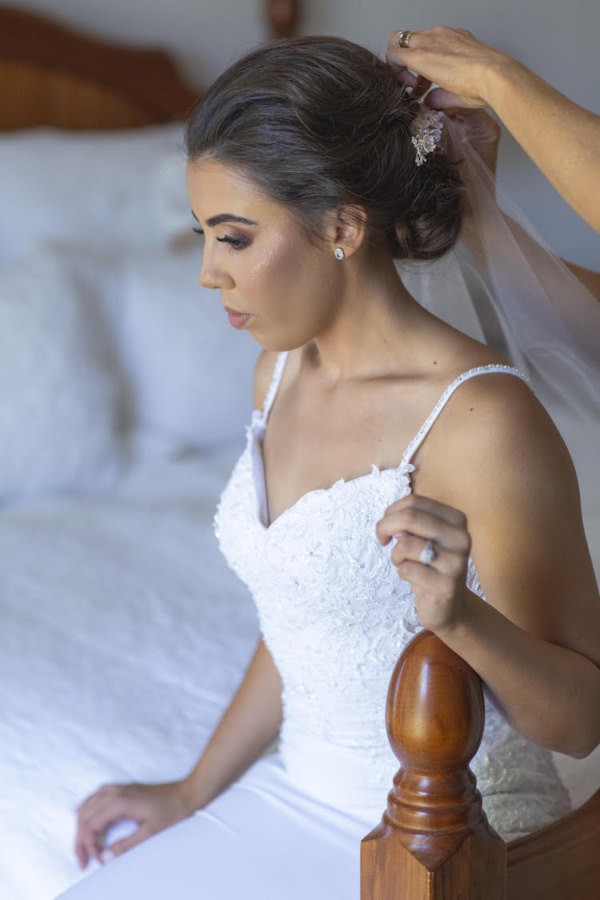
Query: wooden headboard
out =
(52, 75)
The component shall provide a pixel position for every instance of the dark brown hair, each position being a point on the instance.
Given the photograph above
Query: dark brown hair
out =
(320, 123)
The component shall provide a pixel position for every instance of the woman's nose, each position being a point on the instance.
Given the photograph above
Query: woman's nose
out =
(211, 276)
(206, 280)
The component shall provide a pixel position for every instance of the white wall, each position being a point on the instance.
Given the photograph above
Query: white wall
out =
(557, 39)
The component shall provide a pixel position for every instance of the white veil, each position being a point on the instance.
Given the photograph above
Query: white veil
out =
(512, 292)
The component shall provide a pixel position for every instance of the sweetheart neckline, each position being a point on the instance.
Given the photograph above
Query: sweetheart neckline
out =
(404, 468)
(260, 417)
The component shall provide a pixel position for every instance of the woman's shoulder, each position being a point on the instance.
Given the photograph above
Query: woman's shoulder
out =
(481, 393)
(494, 427)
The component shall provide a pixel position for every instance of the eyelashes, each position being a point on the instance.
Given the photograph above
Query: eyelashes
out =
(235, 243)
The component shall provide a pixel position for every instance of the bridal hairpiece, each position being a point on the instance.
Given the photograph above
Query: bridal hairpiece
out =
(426, 130)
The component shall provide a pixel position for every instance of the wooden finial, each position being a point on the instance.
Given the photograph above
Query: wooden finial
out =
(434, 825)
(283, 16)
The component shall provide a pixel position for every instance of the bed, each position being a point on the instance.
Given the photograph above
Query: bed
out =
(123, 632)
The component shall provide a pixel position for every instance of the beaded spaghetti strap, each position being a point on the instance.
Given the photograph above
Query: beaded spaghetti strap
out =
(274, 386)
(428, 423)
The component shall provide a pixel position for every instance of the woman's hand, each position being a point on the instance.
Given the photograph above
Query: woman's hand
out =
(450, 57)
(439, 587)
(152, 806)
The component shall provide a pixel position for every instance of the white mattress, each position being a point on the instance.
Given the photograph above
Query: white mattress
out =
(123, 637)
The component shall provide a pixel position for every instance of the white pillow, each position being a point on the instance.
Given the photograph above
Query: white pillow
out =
(60, 402)
(191, 370)
(103, 188)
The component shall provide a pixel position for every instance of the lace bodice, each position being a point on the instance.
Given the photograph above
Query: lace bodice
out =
(335, 616)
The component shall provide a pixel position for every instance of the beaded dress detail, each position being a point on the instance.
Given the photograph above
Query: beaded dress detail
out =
(335, 616)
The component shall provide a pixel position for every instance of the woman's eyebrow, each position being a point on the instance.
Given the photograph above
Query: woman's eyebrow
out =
(225, 217)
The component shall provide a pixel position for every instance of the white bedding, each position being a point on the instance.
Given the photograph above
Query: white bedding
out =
(123, 637)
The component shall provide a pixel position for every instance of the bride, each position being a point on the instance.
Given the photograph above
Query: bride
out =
(397, 474)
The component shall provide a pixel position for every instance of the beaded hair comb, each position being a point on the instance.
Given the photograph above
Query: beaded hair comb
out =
(426, 131)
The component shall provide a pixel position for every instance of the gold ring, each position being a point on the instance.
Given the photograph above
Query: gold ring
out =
(404, 37)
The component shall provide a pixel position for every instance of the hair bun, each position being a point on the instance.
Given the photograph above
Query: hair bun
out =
(430, 225)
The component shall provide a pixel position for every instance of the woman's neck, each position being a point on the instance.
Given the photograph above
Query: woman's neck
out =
(375, 323)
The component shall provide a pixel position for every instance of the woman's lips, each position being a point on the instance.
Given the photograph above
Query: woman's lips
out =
(238, 320)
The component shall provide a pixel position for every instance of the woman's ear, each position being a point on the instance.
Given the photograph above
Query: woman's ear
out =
(346, 228)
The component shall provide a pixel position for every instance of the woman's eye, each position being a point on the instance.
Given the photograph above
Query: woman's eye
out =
(236, 243)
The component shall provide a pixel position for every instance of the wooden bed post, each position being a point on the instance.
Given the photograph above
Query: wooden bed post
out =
(434, 841)
(283, 16)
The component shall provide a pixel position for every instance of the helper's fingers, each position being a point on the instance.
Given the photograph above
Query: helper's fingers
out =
(420, 88)
(405, 75)
(440, 98)
(393, 45)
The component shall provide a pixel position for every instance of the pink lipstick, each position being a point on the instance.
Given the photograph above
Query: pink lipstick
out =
(238, 320)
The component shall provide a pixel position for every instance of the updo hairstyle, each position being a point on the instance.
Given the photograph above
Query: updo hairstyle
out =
(320, 123)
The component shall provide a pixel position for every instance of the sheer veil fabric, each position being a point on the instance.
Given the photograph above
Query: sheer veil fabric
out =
(503, 285)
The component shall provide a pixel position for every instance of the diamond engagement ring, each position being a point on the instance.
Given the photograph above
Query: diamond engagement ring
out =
(428, 553)
(404, 37)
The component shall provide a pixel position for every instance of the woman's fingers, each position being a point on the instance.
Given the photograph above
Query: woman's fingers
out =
(81, 853)
(152, 807)
(431, 553)
(447, 560)
(87, 846)
(96, 814)
(127, 843)
(421, 516)
(413, 522)
(103, 807)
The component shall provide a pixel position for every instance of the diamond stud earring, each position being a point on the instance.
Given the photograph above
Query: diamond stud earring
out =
(339, 253)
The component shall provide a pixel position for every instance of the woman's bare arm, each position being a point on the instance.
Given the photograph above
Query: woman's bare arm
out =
(248, 727)
(505, 490)
(536, 642)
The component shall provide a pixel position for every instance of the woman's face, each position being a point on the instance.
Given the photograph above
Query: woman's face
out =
(257, 255)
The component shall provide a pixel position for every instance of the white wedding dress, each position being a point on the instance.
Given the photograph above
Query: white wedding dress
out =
(335, 617)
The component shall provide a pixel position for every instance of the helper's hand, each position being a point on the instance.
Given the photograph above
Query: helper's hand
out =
(452, 58)
(152, 806)
(481, 130)
(440, 585)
